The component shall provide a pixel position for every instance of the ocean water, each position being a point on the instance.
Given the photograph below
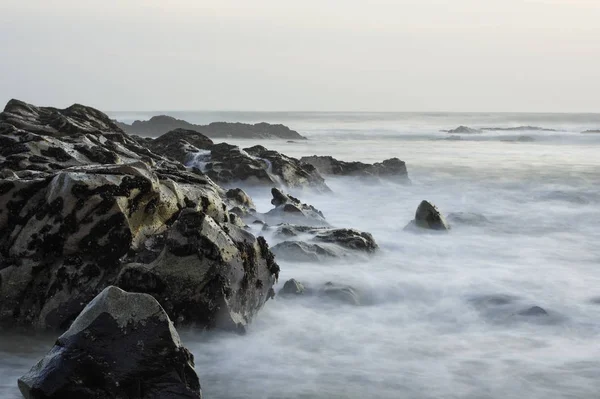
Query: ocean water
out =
(441, 316)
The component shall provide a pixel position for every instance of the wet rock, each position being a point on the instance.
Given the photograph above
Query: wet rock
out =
(292, 287)
(390, 169)
(299, 251)
(239, 196)
(122, 345)
(534, 311)
(428, 217)
(289, 209)
(342, 293)
(180, 144)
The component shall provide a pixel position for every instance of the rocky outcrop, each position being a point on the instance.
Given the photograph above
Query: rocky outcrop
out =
(591, 131)
(390, 169)
(228, 164)
(158, 125)
(428, 217)
(289, 209)
(180, 144)
(307, 244)
(105, 210)
(462, 130)
(122, 345)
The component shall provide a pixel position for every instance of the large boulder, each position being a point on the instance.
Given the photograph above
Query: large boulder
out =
(122, 345)
(390, 169)
(428, 217)
(81, 223)
(160, 124)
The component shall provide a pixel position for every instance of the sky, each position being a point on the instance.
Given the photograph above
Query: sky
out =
(308, 55)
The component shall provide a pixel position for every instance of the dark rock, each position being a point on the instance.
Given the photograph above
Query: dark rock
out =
(180, 144)
(428, 217)
(591, 131)
(122, 345)
(291, 288)
(390, 169)
(239, 196)
(289, 209)
(462, 130)
(299, 251)
(158, 125)
(534, 311)
(519, 139)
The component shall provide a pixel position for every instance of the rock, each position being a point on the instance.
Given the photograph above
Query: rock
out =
(467, 218)
(591, 131)
(291, 288)
(462, 130)
(299, 251)
(348, 238)
(160, 124)
(534, 311)
(519, 139)
(180, 144)
(428, 217)
(87, 207)
(122, 345)
(341, 293)
(518, 129)
(390, 169)
(289, 209)
(239, 196)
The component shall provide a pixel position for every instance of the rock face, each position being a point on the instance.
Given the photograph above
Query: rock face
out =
(289, 209)
(158, 125)
(180, 144)
(390, 169)
(228, 164)
(122, 345)
(84, 206)
(428, 217)
(306, 244)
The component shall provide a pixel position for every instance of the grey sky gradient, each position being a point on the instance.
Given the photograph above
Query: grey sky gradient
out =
(326, 55)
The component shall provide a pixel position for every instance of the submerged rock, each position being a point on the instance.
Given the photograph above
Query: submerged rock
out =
(591, 131)
(428, 217)
(122, 345)
(533, 311)
(299, 251)
(390, 169)
(329, 291)
(463, 130)
(519, 129)
(292, 287)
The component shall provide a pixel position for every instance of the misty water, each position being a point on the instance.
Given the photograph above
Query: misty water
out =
(440, 318)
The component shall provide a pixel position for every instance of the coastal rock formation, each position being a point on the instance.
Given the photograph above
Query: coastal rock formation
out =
(180, 144)
(591, 131)
(122, 345)
(289, 209)
(228, 164)
(462, 130)
(161, 124)
(309, 244)
(84, 206)
(390, 169)
(428, 217)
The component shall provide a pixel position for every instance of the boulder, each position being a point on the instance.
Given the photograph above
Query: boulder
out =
(341, 293)
(122, 345)
(180, 144)
(390, 169)
(160, 124)
(534, 311)
(462, 130)
(289, 209)
(428, 217)
(299, 251)
(73, 224)
(291, 287)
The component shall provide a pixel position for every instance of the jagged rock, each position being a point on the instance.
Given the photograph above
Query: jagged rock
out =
(428, 217)
(78, 225)
(462, 130)
(292, 287)
(180, 144)
(160, 124)
(289, 209)
(122, 345)
(390, 169)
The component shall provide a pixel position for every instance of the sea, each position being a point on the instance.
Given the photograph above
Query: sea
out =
(444, 316)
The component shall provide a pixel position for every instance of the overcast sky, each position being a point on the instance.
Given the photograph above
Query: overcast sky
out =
(309, 55)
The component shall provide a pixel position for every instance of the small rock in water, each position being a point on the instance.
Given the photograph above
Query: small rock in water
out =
(342, 293)
(122, 345)
(533, 311)
(292, 287)
(428, 217)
